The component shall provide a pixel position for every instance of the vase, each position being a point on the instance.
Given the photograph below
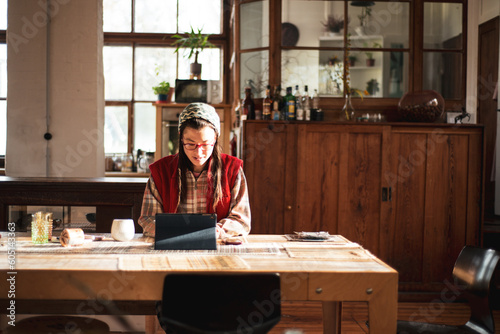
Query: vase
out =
(166, 98)
(348, 109)
(370, 62)
(195, 69)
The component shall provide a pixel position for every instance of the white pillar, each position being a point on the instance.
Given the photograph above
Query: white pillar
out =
(55, 85)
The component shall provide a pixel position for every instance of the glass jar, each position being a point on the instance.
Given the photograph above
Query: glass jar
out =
(39, 229)
(422, 106)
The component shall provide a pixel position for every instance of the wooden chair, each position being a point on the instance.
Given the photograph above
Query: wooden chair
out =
(218, 303)
(473, 271)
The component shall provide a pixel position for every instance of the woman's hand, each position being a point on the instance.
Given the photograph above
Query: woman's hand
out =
(219, 231)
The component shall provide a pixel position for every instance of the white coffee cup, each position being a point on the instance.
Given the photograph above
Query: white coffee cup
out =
(123, 229)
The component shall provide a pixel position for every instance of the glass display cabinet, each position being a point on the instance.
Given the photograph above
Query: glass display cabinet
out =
(300, 42)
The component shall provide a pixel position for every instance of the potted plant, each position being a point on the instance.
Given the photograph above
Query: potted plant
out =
(333, 60)
(196, 42)
(352, 60)
(334, 24)
(163, 91)
(372, 87)
(370, 61)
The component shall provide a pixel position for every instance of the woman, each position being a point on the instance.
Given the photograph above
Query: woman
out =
(199, 179)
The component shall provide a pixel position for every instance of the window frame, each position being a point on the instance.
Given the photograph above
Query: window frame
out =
(135, 39)
(3, 40)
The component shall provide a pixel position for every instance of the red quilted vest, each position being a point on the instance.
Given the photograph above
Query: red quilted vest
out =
(164, 173)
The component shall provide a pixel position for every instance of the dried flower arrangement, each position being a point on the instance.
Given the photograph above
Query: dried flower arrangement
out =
(334, 23)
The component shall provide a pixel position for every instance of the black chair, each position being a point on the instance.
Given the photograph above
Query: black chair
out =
(218, 303)
(473, 272)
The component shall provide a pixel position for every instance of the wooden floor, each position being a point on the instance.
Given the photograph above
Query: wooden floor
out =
(307, 317)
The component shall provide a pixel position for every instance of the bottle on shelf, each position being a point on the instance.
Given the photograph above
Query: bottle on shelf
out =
(296, 92)
(315, 99)
(315, 106)
(267, 104)
(306, 104)
(239, 115)
(290, 105)
(278, 104)
(299, 110)
(248, 104)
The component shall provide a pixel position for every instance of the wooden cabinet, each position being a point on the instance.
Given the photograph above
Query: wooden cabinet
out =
(267, 168)
(436, 181)
(409, 194)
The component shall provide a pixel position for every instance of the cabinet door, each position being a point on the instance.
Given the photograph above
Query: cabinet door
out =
(436, 177)
(339, 181)
(266, 169)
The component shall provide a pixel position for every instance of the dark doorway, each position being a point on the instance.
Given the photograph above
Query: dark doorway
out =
(487, 106)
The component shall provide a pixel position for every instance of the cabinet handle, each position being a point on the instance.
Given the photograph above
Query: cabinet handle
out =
(289, 207)
(386, 194)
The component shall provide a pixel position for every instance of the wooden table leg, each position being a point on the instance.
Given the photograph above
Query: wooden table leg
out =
(332, 317)
(152, 326)
(383, 309)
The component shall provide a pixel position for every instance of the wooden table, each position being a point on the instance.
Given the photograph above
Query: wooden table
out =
(330, 272)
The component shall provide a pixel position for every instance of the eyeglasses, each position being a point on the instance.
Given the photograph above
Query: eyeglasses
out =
(192, 147)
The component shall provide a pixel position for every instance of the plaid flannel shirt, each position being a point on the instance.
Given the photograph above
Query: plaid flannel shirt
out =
(236, 223)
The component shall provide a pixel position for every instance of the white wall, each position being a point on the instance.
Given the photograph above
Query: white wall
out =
(488, 9)
(56, 85)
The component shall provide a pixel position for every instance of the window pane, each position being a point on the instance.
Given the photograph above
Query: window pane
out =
(443, 73)
(309, 28)
(387, 77)
(3, 14)
(395, 82)
(254, 72)
(211, 64)
(3, 127)
(117, 61)
(331, 73)
(155, 16)
(3, 70)
(204, 17)
(388, 19)
(147, 61)
(299, 67)
(443, 26)
(115, 129)
(145, 127)
(254, 25)
(117, 15)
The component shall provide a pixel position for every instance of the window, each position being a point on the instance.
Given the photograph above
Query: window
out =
(138, 54)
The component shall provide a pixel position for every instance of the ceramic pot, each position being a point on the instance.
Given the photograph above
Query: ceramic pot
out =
(195, 70)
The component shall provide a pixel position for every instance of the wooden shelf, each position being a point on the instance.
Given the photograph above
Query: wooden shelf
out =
(353, 38)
